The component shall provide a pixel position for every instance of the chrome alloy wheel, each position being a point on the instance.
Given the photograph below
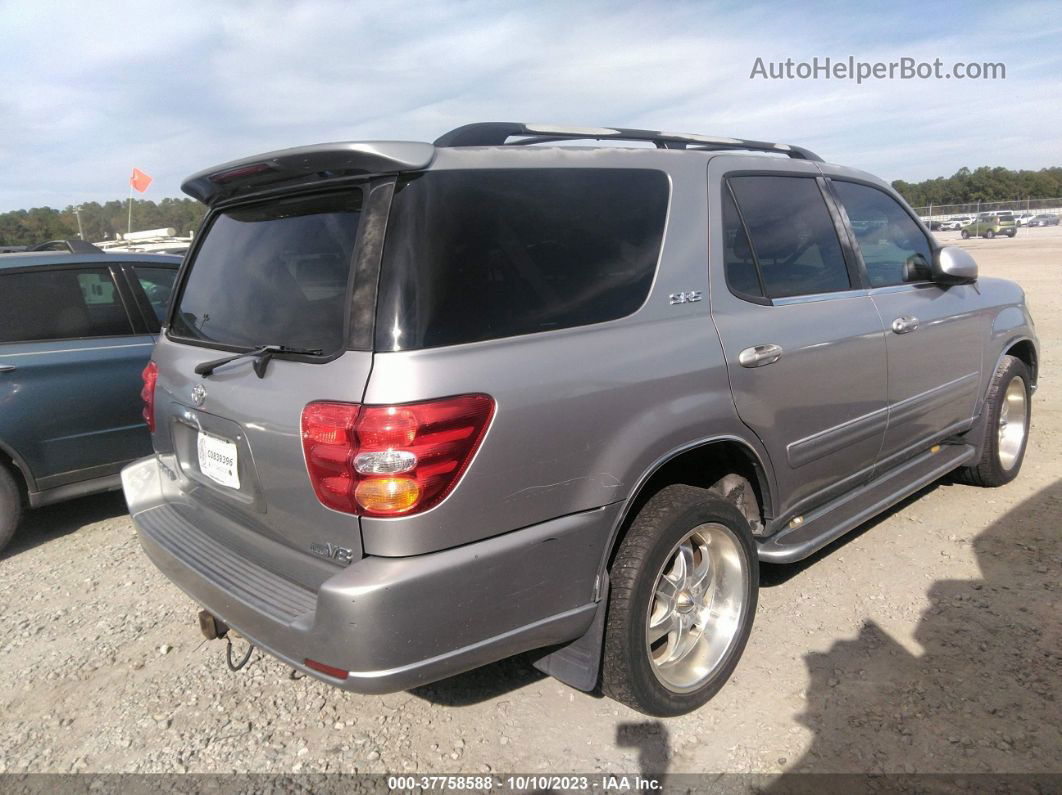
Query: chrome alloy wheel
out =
(697, 607)
(1013, 415)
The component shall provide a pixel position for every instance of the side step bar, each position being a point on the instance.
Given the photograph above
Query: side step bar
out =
(833, 520)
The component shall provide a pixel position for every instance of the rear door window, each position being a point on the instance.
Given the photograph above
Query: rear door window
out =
(793, 237)
(741, 275)
(887, 236)
(475, 255)
(157, 284)
(60, 304)
(273, 273)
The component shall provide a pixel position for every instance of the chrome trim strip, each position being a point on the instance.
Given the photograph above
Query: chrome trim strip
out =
(816, 297)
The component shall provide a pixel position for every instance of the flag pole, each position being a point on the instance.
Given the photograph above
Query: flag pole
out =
(130, 223)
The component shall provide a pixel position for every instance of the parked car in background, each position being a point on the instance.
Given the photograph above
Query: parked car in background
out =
(421, 407)
(991, 225)
(953, 224)
(1022, 219)
(1044, 219)
(76, 330)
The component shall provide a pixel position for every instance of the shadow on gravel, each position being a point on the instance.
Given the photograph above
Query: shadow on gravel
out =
(652, 740)
(982, 698)
(481, 684)
(41, 525)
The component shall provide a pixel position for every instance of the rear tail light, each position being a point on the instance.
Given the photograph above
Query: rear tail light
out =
(150, 375)
(391, 460)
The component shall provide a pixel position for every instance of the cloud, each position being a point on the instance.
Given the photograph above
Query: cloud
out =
(92, 90)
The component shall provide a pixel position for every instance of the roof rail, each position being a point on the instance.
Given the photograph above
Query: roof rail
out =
(70, 246)
(498, 133)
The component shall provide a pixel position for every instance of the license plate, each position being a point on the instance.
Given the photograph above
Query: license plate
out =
(217, 460)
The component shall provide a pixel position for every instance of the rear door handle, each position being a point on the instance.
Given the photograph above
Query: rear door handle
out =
(760, 355)
(905, 324)
(7, 368)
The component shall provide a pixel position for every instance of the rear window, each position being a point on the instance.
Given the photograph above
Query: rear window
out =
(274, 273)
(475, 255)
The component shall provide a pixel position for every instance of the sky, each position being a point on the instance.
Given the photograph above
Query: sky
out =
(92, 89)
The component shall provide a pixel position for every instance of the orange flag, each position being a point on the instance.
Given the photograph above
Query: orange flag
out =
(139, 180)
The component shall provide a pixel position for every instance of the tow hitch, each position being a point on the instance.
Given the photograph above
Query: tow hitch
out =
(214, 628)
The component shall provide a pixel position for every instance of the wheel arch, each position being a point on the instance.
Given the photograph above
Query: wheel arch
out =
(700, 464)
(11, 459)
(1025, 350)
(578, 663)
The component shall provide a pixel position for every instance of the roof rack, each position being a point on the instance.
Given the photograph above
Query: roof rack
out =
(498, 133)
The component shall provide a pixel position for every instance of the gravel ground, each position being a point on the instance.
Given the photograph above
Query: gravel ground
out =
(928, 641)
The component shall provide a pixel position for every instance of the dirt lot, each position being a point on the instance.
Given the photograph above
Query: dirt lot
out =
(928, 641)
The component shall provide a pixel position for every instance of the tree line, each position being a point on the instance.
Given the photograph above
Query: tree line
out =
(98, 221)
(105, 221)
(983, 184)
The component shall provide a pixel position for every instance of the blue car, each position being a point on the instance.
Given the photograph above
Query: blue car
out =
(76, 330)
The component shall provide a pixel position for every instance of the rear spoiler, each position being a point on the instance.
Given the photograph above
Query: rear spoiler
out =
(306, 165)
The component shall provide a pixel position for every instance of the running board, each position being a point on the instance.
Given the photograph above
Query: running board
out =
(847, 512)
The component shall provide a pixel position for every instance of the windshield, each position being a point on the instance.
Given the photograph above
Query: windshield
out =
(274, 273)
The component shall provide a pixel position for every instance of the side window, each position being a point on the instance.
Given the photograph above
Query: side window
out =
(60, 304)
(793, 237)
(157, 284)
(490, 253)
(888, 237)
(740, 265)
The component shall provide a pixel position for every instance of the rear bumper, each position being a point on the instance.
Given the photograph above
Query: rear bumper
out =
(393, 623)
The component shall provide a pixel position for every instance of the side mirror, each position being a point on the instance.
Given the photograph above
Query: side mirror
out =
(954, 265)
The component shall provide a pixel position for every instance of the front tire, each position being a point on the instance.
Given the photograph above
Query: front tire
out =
(682, 600)
(1008, 412)
(990, 234)
(10, 506)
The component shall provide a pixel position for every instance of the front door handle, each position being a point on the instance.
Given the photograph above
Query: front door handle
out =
(760, 355)
(905, 324)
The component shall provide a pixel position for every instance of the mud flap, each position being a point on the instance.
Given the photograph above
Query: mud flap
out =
(578, 663)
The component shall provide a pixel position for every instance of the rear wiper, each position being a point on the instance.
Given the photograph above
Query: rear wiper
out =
(261, 356)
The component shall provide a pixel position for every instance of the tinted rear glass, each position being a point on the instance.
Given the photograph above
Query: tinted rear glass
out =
(793, 237)
(483, 254)
(60, 304)
(274, 273)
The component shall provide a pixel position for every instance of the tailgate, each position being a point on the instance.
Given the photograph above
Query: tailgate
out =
(270, 492)
(277, 272)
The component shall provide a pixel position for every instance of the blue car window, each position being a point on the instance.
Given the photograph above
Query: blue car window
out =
(60, 304)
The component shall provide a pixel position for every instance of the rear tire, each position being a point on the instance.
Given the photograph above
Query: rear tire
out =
(1008, 412)
(682, 600)
(10, 506)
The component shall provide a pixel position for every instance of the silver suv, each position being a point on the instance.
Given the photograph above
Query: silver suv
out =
(419, 407)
